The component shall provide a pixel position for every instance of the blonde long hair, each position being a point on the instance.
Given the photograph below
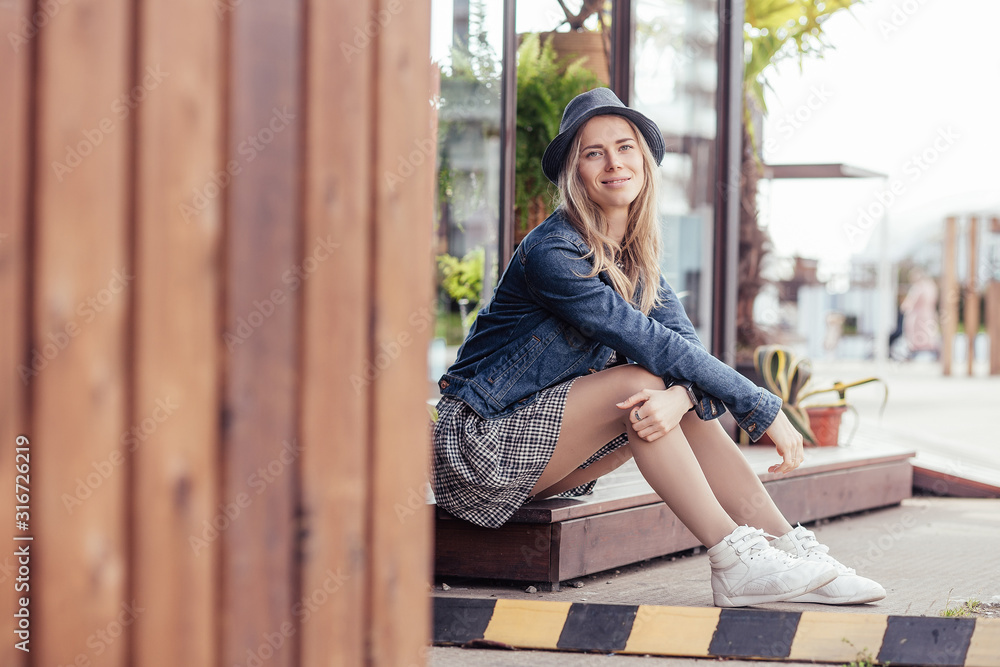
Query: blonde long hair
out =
(638, 280)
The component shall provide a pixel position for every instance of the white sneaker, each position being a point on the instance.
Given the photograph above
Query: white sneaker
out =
(747, 570)
(847, 588)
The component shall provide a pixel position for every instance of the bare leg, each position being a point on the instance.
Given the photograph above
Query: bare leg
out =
(590, 473)
(735, 484)
(592, 418)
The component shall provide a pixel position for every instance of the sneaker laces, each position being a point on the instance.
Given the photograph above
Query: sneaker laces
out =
(814, 549)
(755, 542)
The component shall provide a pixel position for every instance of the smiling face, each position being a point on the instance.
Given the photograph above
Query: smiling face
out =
(611, 164)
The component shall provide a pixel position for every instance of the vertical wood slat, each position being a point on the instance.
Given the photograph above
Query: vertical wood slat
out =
(261, 312)
(949, 294)
(401, 544)
(972, 295)
(336, 343)
(14, 161)
(993, 324)
(174, 448)
(82, 294)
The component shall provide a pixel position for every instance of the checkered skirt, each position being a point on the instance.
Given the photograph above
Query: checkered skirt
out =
(484, 469)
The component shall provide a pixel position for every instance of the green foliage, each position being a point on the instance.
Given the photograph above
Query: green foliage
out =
(967, 608)
(775, 30)
(463, 278)
(864, 658)
(545, 85)
(772, 26)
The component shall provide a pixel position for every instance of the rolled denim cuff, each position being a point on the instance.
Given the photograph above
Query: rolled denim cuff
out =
(710, 408)
(762, 416)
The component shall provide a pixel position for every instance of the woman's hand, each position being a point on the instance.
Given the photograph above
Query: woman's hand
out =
(788, 442)
(653, 412)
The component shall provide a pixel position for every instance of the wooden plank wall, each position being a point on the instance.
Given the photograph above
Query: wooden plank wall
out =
(215, 247)
(83, 288)
(178, 293)
(259, 577)
(335, 303)
(405, 144)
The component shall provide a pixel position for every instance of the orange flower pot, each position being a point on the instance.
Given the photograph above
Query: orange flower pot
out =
(825, 424)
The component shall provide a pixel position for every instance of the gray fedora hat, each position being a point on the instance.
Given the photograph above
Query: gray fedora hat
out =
(583, 107)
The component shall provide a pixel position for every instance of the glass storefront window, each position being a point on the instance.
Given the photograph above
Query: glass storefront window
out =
(466, 45)
(674, 62)
(672, 69)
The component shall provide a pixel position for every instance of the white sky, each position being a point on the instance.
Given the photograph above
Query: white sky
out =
(903, 73)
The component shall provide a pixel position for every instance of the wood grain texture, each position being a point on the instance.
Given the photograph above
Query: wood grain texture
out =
(83, 288)
(605, 541)
(834, 493)
(15, 66)
(336, 337)
(405, 143)
(260, 339)
(514, 551)
(174, 435)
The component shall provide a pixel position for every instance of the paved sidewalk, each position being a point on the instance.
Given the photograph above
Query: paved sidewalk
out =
(944, 417)
(928, 553)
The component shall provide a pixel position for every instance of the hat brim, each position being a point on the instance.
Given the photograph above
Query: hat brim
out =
(554, 157)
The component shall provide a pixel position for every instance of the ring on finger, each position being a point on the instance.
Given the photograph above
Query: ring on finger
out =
(637, 417)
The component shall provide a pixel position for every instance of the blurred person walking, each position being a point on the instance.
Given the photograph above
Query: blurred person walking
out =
(920, 317)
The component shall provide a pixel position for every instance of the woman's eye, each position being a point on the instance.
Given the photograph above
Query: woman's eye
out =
(624, 146)
(592, 154)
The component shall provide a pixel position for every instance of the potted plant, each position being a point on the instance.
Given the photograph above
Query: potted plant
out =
(788, 377)
(592, 47)
(545, 85)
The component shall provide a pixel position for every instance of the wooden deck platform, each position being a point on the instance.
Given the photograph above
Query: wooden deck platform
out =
(623, 521)
(946, 476)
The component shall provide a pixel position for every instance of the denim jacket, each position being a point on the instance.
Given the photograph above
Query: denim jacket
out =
(547, 324)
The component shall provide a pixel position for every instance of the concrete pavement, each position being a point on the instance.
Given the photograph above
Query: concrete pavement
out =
(929, 553)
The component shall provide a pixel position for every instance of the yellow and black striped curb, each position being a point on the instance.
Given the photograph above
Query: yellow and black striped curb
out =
(718, 633)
